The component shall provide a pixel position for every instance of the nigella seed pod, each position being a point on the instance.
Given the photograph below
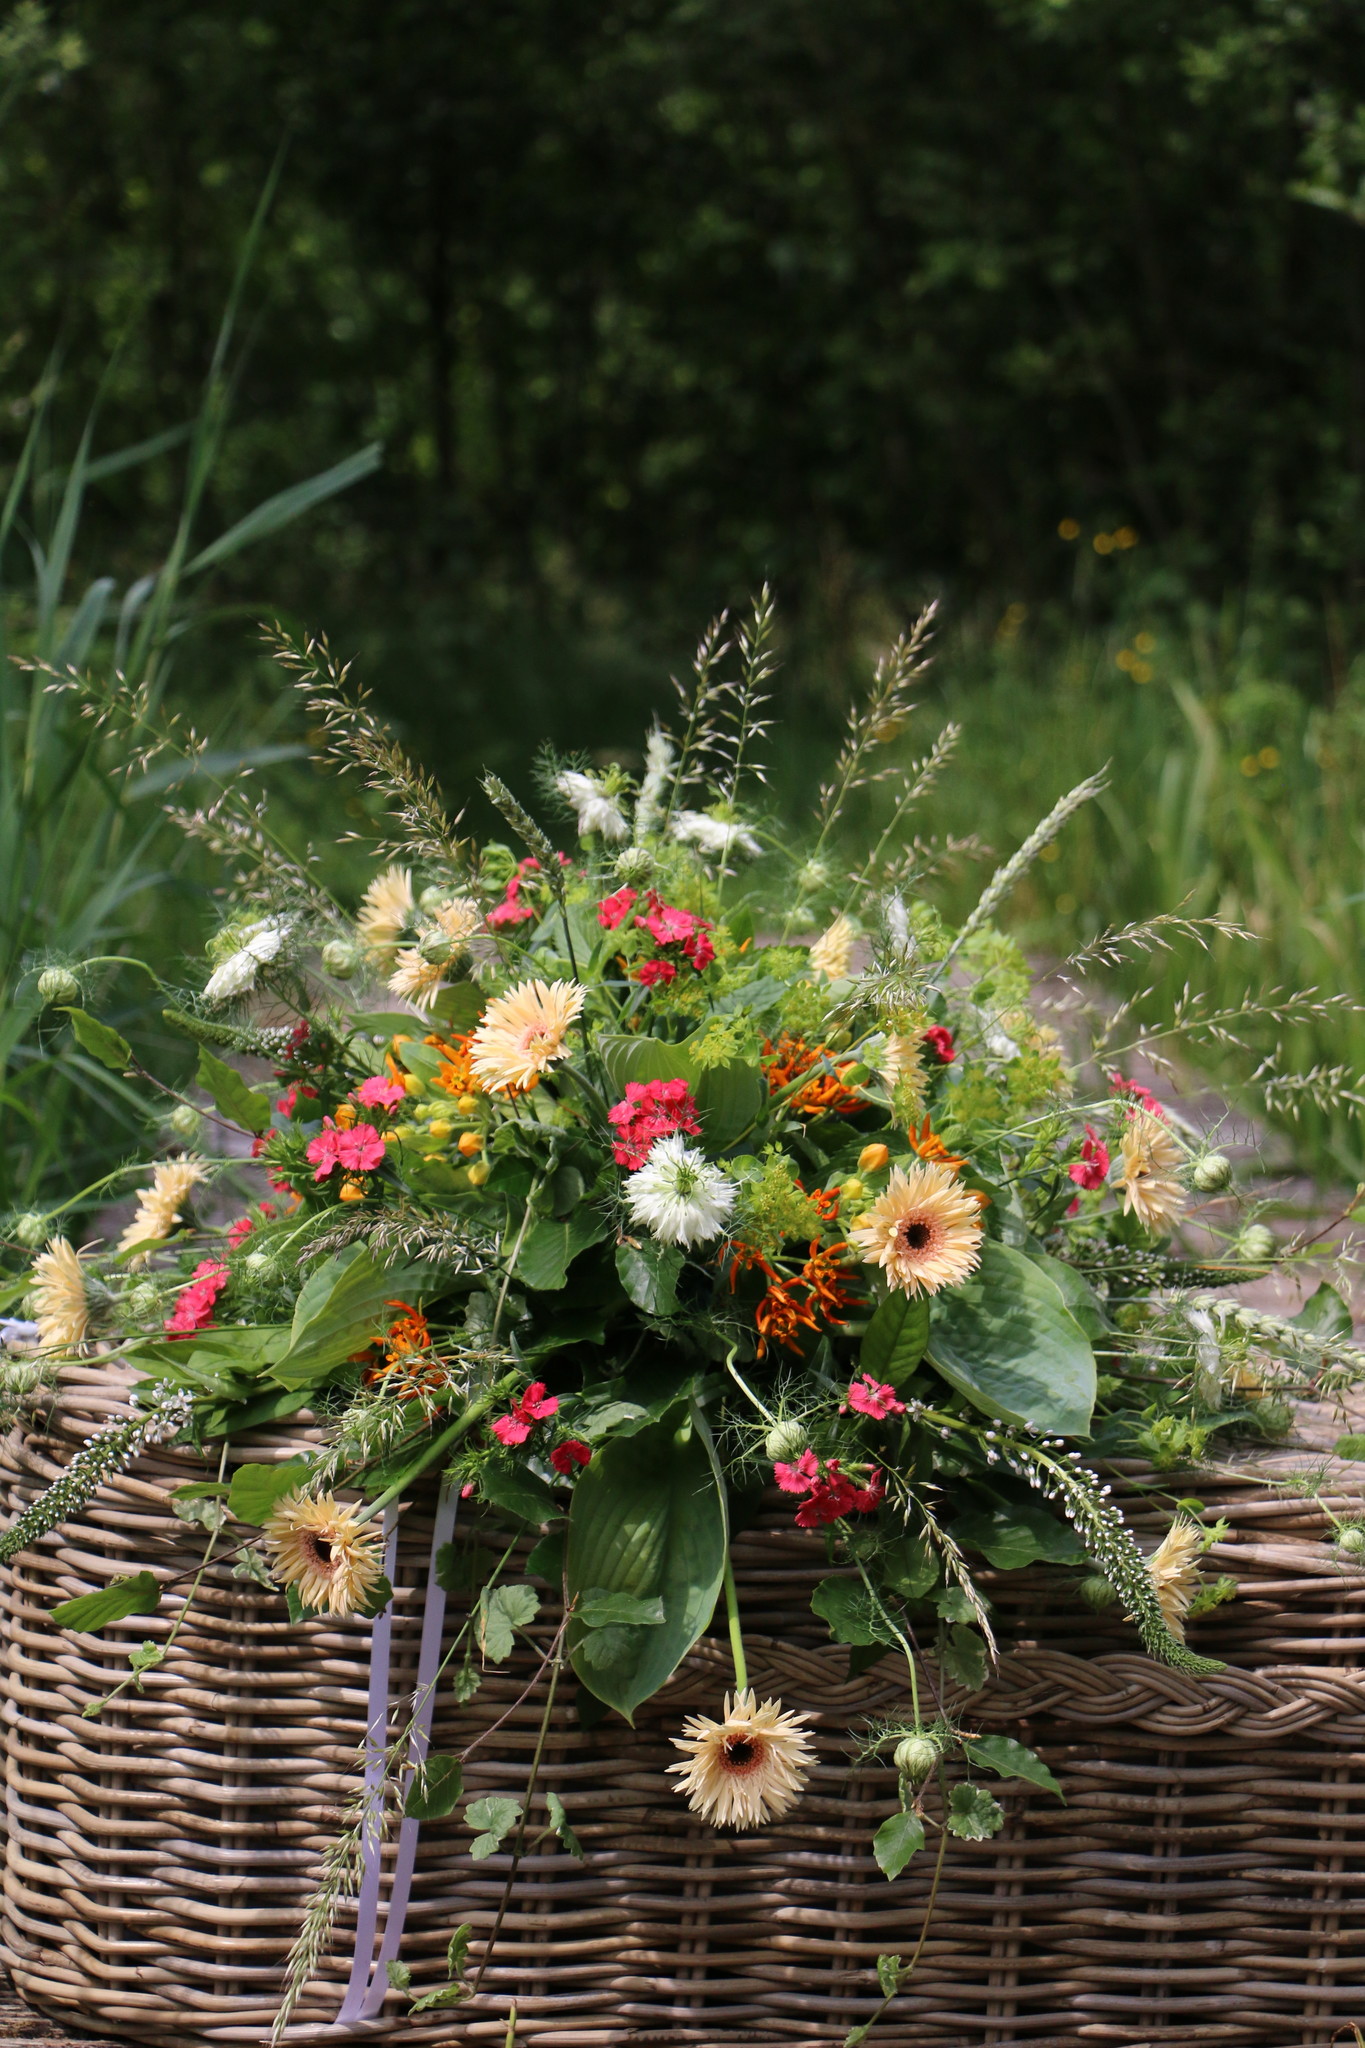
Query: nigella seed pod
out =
(341, 958)
(785, 1442)
(1255, 1246)
(142, 1301)
(58, 985)
(1211, 1174)
(186, 1122)
(916, 1756)
(33, 1229)
(1351, 1540)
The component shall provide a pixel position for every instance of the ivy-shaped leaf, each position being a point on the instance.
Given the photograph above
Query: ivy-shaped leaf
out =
(973, 1816)
(501, 1611)
(495, 1818)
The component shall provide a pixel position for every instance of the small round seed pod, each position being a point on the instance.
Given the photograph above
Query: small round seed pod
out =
(785, 1442)
(916, 1756)
(33, 1229)
(58, 985)
(186, 1122)
(341, 958)
(1351, 1540)
(1211, 1174)
(1255, 1246)
(1097, 1592)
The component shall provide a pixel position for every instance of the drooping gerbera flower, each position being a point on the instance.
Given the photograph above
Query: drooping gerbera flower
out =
(747, 1768)
(594, 804)
(678, 1195)
(1151, 1160)
(415, 978)
(1174, 1571)
(158, 1207)
(61, 1303)
(385, 911)
(832, 953)
(322, 1549)
(523, 1033)
(925, 1231)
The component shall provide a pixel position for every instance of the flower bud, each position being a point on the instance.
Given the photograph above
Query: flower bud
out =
(18, 1377)
(33, 1229)
(341, 958)
(1256, 1246)
(633, 864)
(433, 898)
(1351, 1540)
(470, 1143)
(853, 1190)
(260, 1265)
(479, 1172)
(142, 1301)
(873, 1158)
(467, 1105)
(1211, 1174)
(58, 985)
(352, 1191)
(186, 1122)
(1097, 1592)
(785, 1442)
(812, 877)
(440, 1128)
(916, 1756)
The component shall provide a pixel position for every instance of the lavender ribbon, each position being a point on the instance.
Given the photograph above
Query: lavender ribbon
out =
(369, 1982)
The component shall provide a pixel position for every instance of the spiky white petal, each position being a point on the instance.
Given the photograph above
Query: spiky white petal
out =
(678, 1195)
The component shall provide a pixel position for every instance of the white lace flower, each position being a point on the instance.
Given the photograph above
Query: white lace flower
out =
(713, 835)
(258, 944)
(678, 1195)
(596, 807)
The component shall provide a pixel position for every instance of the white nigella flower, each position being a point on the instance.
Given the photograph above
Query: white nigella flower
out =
(597, 808)
(678, 1195)
(658, 768)
(713, 835)
(258, 944)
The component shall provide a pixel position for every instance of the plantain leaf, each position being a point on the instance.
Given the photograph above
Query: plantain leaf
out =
(899, 1837)
(895, 1339)
(256, 1488)
(92, 1611)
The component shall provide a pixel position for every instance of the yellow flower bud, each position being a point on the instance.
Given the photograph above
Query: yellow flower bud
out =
(853, 1191)
(467, 1105)
(352, 1191)
(479, 1172)
(345, 1116)
(440, 1128)
(873, 1158)
(470, 1143)
(414, 1084)
(407, 1132)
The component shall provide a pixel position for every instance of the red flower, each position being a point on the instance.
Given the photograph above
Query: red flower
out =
(359, 1149)
(939, 1040)
(651, 971)
(830, 1494)
(699, 950)
(380, 1092)
(870, 1397)
(1092, 1168)
(194, 1303)
(652, 1109)
(532, 1407)
(614, 910)
(800, 1477)
(243, 1227)
(571, 1452)
(667, 925)
(1140, 1096)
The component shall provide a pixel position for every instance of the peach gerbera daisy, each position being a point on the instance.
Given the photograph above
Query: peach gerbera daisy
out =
(1151, 1160)
(416, 978)
(925, 1231)
(747, 1768)
(386, 909)
(159, 1206)
(61, 1304)
(523, 1033)
(322, 1548)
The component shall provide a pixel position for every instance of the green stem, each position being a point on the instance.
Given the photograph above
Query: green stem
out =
(124, 960)
(460, 1427)
(736, 1638)
(748, 1391)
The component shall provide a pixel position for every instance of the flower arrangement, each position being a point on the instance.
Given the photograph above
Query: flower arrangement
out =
(608, 1182)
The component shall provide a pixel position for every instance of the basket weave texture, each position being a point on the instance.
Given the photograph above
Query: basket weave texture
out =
(1204, 1882)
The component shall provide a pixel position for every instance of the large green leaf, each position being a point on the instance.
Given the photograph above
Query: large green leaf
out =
(339, 1311)
(101, 1041)
(646, 1059)
(895, 1339)
(256, 1488)
(648, 1521)
(729, 1099)
(551, 1245)
(649, 1273)
(240, 1104)
(114, 1602)
(1006, 1340)
(1017, 1533)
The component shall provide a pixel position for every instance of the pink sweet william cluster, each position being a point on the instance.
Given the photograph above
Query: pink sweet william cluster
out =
(1092, 1168)
(194, 1304)
(379, 1092)
(872, 1397)
(677, 933)
(512, 910)
(829, 1493)
(1137, 1097)
(939, 1040)
(652, 1109)
(534, 1406)
(359, 1149)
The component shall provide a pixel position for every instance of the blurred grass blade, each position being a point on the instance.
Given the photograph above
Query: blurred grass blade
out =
(287, 505)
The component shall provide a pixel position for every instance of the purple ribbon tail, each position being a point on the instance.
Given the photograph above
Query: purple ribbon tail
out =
(368, 1982)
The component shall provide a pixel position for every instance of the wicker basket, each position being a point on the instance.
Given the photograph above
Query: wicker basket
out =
(1204, 1882)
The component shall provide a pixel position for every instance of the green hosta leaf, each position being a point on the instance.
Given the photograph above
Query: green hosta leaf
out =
(900, 1836)
(546, 1561)
(600, 1610)
(231, 1095)
(559, 1821)
(630, 1058)
(100, 1040)
(1007, 1341)
(551, 1245)
(1018, 1534)
(459, 1006)
(93, 1611)
(435, 1789)
(503, 1610)
(518, 1492)
(256, 1488)
(964, 1657)
(973, 1816)
(649, 1273)
(341, 1308)
(895, 1339)
(1010, 1759)
(1076, 1292)
(850, 1611)
(1325, 1313)
(495, 1820)
(728, 1100)
(647, 1520)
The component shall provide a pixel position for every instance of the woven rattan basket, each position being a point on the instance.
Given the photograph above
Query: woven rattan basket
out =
(1205, 1881)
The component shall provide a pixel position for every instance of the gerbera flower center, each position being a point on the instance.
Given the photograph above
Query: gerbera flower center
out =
(321, 1549)
(915, 1236)
(741, 1752)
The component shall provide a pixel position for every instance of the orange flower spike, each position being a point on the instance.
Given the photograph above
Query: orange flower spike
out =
(930, 1146)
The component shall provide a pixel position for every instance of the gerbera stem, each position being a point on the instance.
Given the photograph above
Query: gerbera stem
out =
(736, 1638)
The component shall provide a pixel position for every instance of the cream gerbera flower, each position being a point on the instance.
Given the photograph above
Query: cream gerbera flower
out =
(1151, 1160)
(385, 910)
(900, 1062)
(749, 1767)
(459, 919)
(61, 1303)
(832, 953)
(322, 1548)
(1174, 1571)
(925, 1231)
(523, 1033)
(159, 1206)
(416, 978)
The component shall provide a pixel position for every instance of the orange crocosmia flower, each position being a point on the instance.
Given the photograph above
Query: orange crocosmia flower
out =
(743, 1259)
(827, 1277)
(409, 1335)
(455, 1076)
(824, 1094)
(930, 1146)
(782, 1314)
